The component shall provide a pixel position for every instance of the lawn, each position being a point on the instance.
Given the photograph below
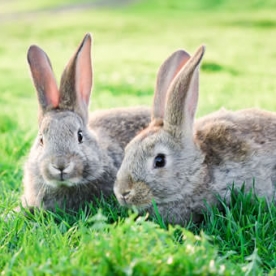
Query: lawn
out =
(129, 44)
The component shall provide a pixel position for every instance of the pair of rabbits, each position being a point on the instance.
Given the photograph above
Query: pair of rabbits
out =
(162, 155)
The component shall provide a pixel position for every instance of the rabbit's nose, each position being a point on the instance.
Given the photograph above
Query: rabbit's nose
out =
(61, 170)
(60, 162)
(60, 166)
(125, 195)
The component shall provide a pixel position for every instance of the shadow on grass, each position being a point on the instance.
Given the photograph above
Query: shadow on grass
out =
(212, 67)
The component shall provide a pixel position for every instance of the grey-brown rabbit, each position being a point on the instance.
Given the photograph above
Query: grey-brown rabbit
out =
(74, 159)
(181, 163)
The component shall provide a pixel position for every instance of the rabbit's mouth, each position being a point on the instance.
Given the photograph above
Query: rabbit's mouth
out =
(62, 172)
(59, 178)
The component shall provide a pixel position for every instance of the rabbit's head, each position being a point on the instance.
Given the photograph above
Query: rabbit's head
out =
(163, 158)
(65, 152)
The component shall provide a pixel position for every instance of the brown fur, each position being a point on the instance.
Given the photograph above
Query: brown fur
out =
(215, 139)
(220, 131)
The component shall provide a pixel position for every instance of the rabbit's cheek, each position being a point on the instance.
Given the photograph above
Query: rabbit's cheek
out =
(143, 196)
(139, 195)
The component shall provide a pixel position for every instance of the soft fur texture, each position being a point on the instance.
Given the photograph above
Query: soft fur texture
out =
(199, 159)
(74, 159)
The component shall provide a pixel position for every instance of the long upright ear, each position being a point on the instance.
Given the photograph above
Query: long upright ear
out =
(168, 70)
(182, 98)
(76, 80)
(43, 78)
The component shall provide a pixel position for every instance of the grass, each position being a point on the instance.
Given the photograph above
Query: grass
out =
(247, 225)
(129, 45)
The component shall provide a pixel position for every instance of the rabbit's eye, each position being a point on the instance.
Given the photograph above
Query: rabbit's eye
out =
(41, 140)
(159, 161)
(80, 136)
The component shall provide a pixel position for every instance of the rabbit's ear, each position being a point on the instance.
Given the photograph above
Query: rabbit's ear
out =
(182, 98)
(168, 70)
(76, 81)
(43, 78)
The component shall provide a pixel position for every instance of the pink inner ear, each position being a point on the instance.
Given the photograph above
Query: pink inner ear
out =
(84, 71)
(46, 82)
(50, 86)
(84, 84)
(53, 96)
(184, 61)
(43, 77)
(167, 72)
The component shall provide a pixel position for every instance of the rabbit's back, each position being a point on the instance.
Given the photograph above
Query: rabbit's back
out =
(114, 128)
(240, 147)
(120, 122)
(228, 135)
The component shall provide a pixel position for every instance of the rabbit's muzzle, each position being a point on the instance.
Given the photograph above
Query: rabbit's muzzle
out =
(62, 171)
(133, 194)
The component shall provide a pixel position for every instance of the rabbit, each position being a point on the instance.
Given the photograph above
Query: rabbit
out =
(75, 156)
(181, 163)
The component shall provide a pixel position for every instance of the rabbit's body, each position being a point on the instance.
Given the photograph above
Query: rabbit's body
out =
(182, 164)
(74, 159)
(222, 157)
(241, 145)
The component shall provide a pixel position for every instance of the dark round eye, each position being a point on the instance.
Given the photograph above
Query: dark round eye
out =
(159, 161)
(80, 136)
(41, 140)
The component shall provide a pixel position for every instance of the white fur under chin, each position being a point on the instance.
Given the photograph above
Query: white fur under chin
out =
(66, 183)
